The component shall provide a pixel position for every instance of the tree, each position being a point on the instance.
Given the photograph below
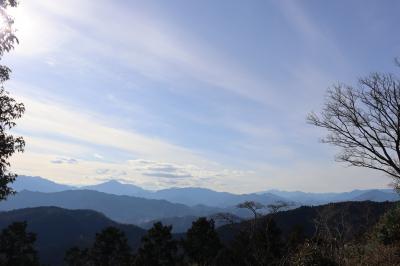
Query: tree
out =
(226, 218)
(364, 122)
(110, 248)
(263, 247)
(278, 206)
(387, 230)
(267, 243)
(16, 246)
(202, 242)
(7, 34)
(77, 257)
(253, 207)
(158, 247)
(10, 110)
(310, 253)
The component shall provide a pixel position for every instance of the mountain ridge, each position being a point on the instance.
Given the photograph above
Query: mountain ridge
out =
(193, 196)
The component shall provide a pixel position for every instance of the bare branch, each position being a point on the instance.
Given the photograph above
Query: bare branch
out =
(364, 122)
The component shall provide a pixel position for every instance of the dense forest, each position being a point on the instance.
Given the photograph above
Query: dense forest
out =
(333, 234)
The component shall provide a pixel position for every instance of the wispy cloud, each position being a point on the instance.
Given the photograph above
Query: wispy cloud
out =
(62, 160)
(132, 93)
(151, 46)
(83, 134)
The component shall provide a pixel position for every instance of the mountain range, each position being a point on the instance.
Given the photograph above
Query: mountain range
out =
(192, 196)
(126, 203)
(124, 209)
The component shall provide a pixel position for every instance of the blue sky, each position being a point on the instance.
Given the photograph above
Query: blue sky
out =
(192, 93)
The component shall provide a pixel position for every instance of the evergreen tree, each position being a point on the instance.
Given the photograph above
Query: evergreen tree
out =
(77, 257)
(260, 246)
(110, 248)
(387, 230)
(158, 248)
(202, 242)
(17, 246)
(267, 243)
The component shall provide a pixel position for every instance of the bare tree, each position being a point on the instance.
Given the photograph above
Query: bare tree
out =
(226, 218)
(364, 122)
(278, 206)
(253, 207)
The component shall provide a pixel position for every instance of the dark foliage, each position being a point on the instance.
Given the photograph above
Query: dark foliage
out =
(387, 231)
(263, 246)
(7, 33)
(334, 233)
(59, 229)
(17, 246)
(77, 257)
(109, 248)
(158, 247)
(10, 110)
(202, 243)
(7, 3)
(358, 217)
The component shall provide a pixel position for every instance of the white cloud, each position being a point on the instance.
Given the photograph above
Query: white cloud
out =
(73, 136)
(62, 160)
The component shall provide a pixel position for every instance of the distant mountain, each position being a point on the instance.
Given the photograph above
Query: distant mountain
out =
(117, 188)
(59, 229)
(188, 196)
(123, 209)
(35, 183)
(378, 196)
(323, 198)
(194, 196)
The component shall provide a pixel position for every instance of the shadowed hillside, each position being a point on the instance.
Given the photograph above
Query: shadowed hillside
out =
(356, 217)
(59, 229)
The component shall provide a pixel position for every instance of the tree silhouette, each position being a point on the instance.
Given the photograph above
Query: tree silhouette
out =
(16, 246)
(202, 242)
(263, 247)
(253, 207)
(158, 247)
(239, 252)
(10, 110)
(364, 122)
(267, 243)
(77, 257)
(110, 248)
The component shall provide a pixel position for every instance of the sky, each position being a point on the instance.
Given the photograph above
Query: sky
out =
(181, 93)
